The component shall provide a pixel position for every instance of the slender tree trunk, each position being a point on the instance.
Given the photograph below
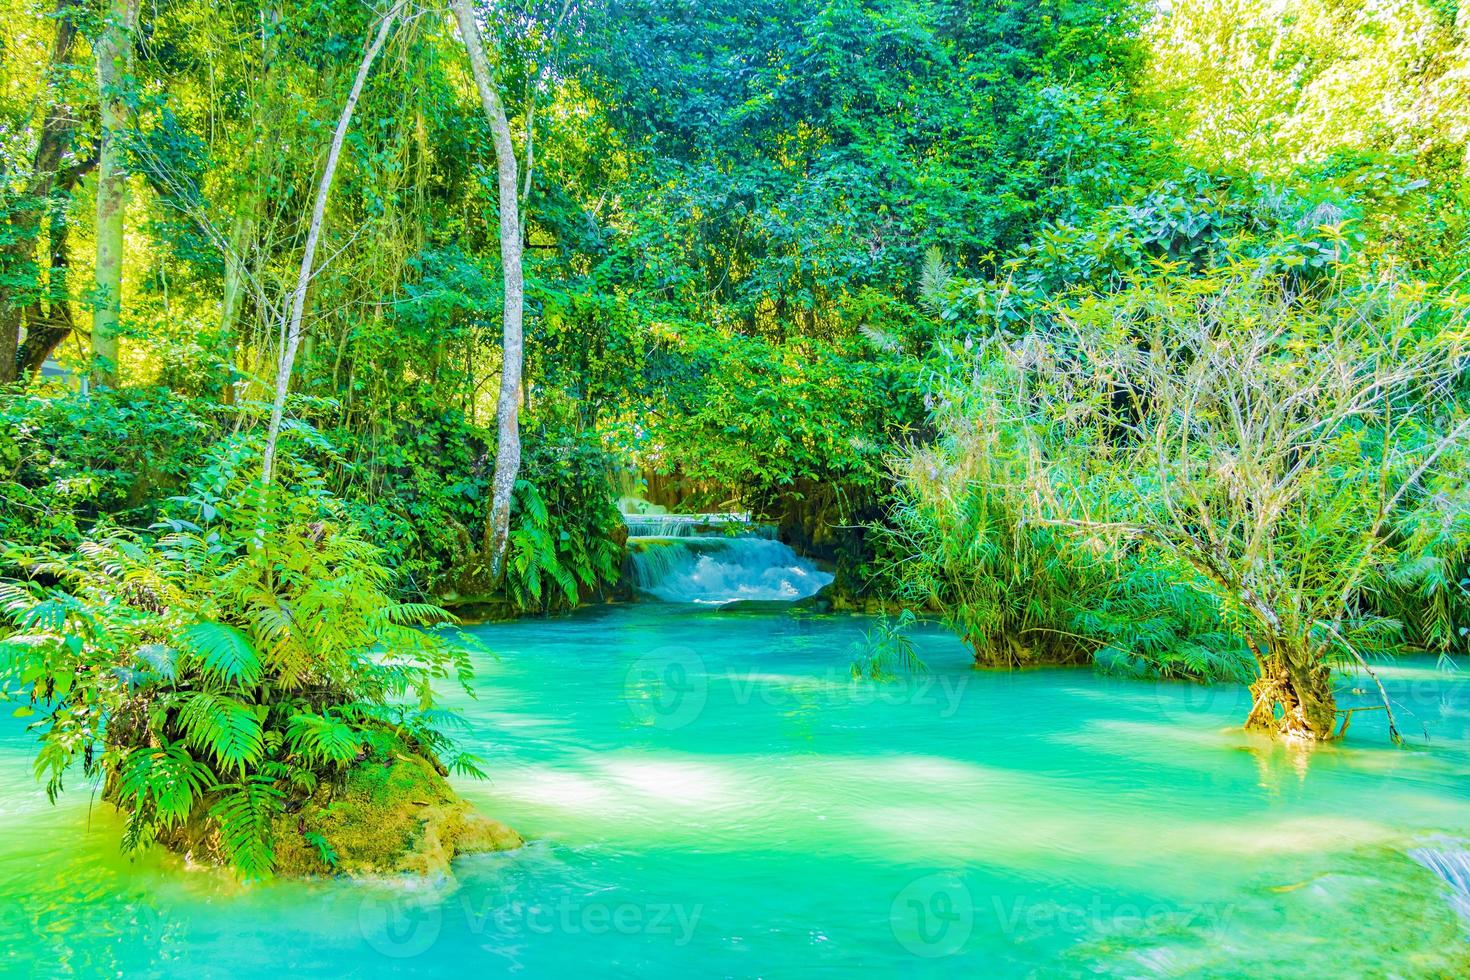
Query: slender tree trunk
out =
(49, 323)
(235, 274)
(114, 53)
(313, 235)
(507, 420)
(27, 210)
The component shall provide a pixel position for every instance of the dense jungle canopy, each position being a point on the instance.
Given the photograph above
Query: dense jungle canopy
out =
(1109, 332)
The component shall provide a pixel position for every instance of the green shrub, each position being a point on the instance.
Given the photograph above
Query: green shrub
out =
(221, 667)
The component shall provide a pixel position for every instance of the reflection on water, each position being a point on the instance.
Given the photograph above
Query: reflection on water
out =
(710, 793)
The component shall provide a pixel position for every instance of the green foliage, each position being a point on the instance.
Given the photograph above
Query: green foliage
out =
(758, 234)
(1189, 467)
(225, 653)
(961, 537)
(1260, 88)
(67, 461)
(162, 786)
(565, 539)
(323, 739)
(244, 811)
(785, 154)
(754, 418)
(887, 650)
(223, 665)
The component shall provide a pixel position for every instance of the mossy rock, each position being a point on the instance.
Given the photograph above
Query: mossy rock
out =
(395, 814)
(392, 812)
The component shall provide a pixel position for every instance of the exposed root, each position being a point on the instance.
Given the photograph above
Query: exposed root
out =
(1293, 703)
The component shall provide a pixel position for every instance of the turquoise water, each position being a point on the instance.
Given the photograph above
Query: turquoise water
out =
(707, 793)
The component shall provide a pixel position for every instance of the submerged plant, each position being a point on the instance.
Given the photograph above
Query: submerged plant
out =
(887, 650)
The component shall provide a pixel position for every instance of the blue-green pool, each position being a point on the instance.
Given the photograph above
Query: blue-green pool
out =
(708, 793)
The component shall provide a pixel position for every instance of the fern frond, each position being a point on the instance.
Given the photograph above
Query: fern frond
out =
(163, 783)
(325, 739)
(222, 727)
(244, 814)
(225, 652)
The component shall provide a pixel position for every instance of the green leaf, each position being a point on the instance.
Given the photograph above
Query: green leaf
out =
(223, 727)
(169, 778)
(244, 815)
(324, 738)
(225, 651)
(159, 658)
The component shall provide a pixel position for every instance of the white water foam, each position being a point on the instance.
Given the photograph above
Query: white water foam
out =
(714, 570)
(1449, 860)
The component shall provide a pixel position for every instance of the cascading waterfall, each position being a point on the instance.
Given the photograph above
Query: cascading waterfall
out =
(1450, 860)
(691, 558)
(692, 525)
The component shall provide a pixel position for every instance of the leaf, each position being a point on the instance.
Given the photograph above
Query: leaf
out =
(44, 617)
(169, 778)
(244, 815)
(159, 658)
(223, 727)
(324, 738)
(415, 614)
(225, 651)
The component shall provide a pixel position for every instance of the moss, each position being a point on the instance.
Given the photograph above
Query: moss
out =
(392, 812)
(395, 813)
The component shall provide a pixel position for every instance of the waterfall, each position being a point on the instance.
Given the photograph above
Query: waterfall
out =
(1451, 861)
(690, 558)
(691, 525)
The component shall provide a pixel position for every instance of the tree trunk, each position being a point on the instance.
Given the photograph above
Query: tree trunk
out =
(313, 235)
(235, 274)
(49, 324)
(507, 421)
(114, 54)
(1292, 698)
(28, 209)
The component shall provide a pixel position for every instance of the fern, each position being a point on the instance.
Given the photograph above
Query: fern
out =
(321, 739)
(246, 653)
(160, 660)
(324, 849)
(415, 614)
(225, 651)
(244, 814)
(934, 280)
(165, 783)
(222, 727)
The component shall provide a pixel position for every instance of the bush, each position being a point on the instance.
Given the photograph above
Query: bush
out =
(218, 670)
(962, 536)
